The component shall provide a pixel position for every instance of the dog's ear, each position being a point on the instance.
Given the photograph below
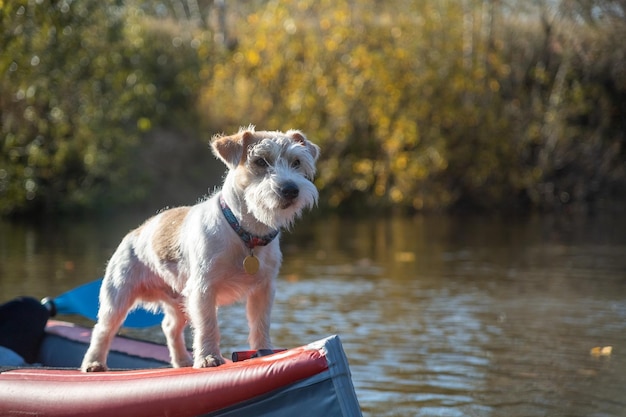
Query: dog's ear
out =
(232, 150)
(299, 137)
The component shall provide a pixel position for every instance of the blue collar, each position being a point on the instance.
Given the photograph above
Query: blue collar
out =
(249, 239)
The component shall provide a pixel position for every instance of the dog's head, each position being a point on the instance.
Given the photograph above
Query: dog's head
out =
(272, 171)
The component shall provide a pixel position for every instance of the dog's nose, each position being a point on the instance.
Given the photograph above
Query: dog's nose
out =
(289, 190)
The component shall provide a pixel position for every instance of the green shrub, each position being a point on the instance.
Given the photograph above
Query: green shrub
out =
(84, 82)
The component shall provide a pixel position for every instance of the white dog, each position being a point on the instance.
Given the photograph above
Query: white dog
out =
(190, 260)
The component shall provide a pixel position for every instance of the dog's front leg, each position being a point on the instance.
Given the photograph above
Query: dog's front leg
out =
(202, 309)
(258, 312)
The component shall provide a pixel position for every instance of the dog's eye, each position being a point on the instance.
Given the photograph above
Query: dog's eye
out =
(295, 164)
(261, 162)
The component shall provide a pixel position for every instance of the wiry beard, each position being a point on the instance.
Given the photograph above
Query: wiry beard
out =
(265, 204)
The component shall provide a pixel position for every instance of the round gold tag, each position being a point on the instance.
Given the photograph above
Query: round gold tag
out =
(251, 264)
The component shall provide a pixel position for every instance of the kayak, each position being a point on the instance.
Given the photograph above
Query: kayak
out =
(309, 380)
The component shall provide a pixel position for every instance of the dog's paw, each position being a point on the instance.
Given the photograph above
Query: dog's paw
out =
(182, 362)
(93, 367)
(211, 361)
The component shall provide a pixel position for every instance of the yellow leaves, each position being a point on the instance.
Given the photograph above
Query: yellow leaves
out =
(260, 43)
(290, 26)
(382, 89)
(396, 32)
(401, 162)
(252, 57)
(599, 351)
(144, 124)
(363, 167)
(253, 19)
(363, 174)
(396, 195)
(400, 54)
(330, 44)
(361, 58)
(380, 189)
(404, 257)
(341, 14)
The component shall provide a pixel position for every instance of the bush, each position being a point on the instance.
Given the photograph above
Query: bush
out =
(84, 82)
(424, 105)
(432, 105)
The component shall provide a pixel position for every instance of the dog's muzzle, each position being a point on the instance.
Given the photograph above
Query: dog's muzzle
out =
(289, 191)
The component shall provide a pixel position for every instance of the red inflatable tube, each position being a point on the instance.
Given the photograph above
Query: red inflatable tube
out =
(190, 392)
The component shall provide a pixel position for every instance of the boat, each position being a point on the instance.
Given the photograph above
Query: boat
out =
(313, 379)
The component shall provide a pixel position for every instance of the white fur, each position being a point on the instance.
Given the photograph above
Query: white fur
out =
(200, 268)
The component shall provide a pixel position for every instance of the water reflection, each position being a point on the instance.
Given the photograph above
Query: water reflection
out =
(440, 316)
(476, 316)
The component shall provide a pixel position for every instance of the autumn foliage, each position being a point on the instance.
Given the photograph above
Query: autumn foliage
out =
(424, 105)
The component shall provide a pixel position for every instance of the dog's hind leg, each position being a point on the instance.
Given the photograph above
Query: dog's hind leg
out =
(114, 306)
(173, 326)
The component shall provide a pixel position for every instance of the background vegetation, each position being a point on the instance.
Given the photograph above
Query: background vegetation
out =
(426, 105)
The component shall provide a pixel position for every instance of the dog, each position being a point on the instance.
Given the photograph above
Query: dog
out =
(188, 261)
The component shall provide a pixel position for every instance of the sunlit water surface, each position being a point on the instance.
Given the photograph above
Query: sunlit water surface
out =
(439, 316)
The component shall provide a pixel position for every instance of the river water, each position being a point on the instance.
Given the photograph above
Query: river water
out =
(439, 315)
